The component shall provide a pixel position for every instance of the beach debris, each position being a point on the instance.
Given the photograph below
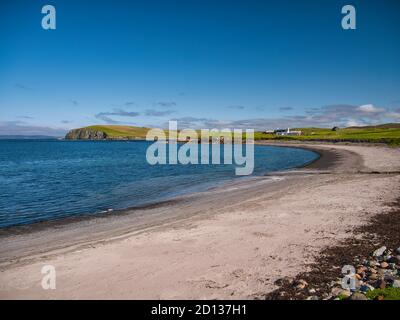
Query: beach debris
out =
(372, 276)
(339, 291)
(284, 281)
(379, 252)
(301, 284)
(376, 277)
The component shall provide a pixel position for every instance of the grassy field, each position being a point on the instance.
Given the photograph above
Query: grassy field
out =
(116, 131)
(385, 133)
(384, 294)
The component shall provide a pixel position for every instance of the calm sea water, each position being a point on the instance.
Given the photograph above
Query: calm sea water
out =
(47, 179)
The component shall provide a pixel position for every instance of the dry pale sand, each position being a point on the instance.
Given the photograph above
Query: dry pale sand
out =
(227, 243)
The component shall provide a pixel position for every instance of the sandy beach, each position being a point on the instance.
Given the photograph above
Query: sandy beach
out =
(231, 242)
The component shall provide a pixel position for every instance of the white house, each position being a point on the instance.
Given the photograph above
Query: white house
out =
(288, 132)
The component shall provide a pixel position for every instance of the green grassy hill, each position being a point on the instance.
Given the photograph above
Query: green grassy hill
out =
(386, 133)
(116, 131)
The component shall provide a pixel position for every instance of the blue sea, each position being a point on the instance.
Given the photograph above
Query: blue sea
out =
(49, 179)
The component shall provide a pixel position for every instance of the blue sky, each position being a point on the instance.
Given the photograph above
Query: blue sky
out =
(242, 64)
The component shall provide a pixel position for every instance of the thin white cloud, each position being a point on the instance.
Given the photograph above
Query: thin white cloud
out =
(158, 113)
(106, 116)
(353, 123)
(166, 103)
(370, 108)
(393, 115)
(326, 116)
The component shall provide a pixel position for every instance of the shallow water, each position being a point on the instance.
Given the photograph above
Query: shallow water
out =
(48, 179)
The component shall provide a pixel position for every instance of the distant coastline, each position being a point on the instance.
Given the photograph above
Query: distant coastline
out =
(388, 133)
(27, 137)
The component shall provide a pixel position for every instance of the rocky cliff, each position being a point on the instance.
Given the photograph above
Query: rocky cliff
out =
(85, 134)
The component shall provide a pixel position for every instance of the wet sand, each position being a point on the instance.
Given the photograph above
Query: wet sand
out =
(231, 242)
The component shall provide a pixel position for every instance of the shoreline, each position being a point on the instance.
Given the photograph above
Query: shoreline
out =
(56, 222)
(266, 230)
(138, 216)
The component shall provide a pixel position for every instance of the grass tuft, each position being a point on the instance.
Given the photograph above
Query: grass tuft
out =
(386, 294)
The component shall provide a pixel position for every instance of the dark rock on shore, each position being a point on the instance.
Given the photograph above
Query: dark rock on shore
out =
(374, 278)
(373, 275)
(373, 257)
(85, 134)
(358, 296)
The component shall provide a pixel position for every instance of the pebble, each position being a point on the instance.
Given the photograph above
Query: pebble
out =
(384, 265)
(345, 293)
(370, 287)
(379, 252)
(381, 272)
(336, 291)
(381, 284)
(365, 288)
(284, 281)
(301, 284)
(391, 259)
(361, 270)
(389, 278)
(358, 296)
(373, 263)
(373, 276)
